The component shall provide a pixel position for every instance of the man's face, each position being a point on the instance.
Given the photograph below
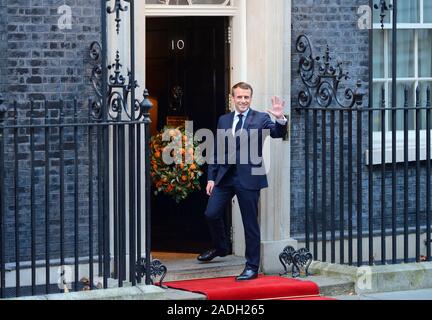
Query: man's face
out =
(242, 99)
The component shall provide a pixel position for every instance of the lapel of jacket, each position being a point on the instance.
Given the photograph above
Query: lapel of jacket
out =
(231, 121)
(249, 119)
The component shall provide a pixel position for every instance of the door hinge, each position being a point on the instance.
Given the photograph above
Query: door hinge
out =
(229, 34)
(232, 235)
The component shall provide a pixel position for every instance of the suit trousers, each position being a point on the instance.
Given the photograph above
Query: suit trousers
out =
(248, 202)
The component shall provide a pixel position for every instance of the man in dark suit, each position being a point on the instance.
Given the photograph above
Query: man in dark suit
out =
(235, 174)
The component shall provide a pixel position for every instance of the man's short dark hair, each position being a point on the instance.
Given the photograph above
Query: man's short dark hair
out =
(244, 86)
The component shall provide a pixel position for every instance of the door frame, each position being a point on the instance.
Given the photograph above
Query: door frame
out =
(266, 66)
(177, 28)
(238, 56)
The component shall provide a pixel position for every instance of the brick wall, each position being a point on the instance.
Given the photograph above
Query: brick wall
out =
(3, 45)
(44, 62)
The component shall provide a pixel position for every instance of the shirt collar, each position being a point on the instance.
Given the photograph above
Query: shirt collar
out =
(244, 114)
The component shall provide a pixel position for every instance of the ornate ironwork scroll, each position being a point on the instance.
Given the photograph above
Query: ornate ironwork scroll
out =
(157, 269)
(119, 88)
(383, 7)
(323, 79)
(96, 78)
(299, 261)
(303, 259)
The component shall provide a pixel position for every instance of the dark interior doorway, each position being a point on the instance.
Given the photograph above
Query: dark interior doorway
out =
(191, 53)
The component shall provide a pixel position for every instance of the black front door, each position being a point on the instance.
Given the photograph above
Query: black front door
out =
(190, 54)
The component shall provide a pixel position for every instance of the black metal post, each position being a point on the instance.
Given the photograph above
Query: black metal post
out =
(383, 170)
(2, 203)
(307, 182)
(324, 185)
(146, 106)
(62, 186)
(370, 143)
(132, 163)
(417, 152)
(76, 197)
(341, 188)
(32, 203)
(90, 202)
(394, 190)
(359, 187)
(138, 198)
(47, 200)
(394, 106)
(122, 201)
(99, 200)
(428, 174)
(116, 197)
(332, 186)
(16, 207)
(105, 150)
(315, 184)
(350, 187)
(406, 185)
(371, 184)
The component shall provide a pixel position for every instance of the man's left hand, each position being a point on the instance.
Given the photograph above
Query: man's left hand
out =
(277, 110)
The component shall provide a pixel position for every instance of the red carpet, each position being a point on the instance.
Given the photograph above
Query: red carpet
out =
(263, 288)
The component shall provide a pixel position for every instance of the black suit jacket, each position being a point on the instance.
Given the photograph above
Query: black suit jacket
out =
(254, 130)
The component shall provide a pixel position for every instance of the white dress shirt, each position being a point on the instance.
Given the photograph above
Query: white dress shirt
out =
(237, 119)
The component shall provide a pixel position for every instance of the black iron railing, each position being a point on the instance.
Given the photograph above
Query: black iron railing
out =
(366, 181)
(54, 222)
(71, 197)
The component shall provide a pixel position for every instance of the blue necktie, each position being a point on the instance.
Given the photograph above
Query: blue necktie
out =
(239, 124)
(238, 128)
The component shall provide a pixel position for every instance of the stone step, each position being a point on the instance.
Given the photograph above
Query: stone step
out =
(192, 269)
(332, 286)
(189, 269)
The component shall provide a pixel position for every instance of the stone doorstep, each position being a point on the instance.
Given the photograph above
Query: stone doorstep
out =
(177, 270)
(332, 286)
(192, 269)
(231, 266)
(127, 293)
(330, 282)
(375, 279)
(140, 293)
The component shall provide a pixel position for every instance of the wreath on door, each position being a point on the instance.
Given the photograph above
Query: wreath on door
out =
(180, 178)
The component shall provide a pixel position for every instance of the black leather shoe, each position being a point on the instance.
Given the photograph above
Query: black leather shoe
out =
(247, 274)
(210, 255)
